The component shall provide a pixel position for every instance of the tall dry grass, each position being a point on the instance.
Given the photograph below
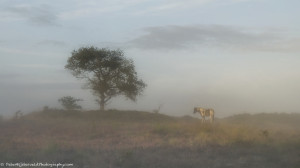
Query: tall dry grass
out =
(136, 139)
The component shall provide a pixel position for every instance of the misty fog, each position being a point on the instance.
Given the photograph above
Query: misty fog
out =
(232, 64)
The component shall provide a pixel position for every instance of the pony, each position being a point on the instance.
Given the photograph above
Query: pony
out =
(205, 113)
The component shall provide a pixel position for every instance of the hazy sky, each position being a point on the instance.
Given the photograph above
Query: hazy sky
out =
(231, 55)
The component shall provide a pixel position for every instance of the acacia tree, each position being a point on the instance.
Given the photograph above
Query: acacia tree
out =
(107, 72)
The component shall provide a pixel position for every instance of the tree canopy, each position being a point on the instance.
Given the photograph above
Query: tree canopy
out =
(108, 73)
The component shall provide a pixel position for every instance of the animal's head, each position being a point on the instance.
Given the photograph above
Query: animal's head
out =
(195, 110)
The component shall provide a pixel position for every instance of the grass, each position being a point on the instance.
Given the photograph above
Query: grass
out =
(141, 139)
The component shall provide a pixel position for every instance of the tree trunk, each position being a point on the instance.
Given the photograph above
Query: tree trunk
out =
(102, 102)
(101, 107)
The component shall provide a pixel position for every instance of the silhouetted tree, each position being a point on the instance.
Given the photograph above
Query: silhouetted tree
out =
(69, 103)
(18, 114)
(108, 73)
(156, 111)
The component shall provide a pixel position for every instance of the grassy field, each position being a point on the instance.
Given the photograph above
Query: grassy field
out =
(133, 139)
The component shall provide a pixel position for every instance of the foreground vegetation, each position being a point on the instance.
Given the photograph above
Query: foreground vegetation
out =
(141, 139)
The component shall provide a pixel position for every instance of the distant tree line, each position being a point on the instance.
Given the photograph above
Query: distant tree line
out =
(70, 103)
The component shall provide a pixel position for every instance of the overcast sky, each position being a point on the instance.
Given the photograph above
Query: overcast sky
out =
(234, 56)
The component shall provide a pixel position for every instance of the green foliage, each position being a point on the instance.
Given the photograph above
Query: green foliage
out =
(69, 103)
(108, 73)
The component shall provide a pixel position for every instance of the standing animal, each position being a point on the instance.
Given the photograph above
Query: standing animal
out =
(205, 113)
